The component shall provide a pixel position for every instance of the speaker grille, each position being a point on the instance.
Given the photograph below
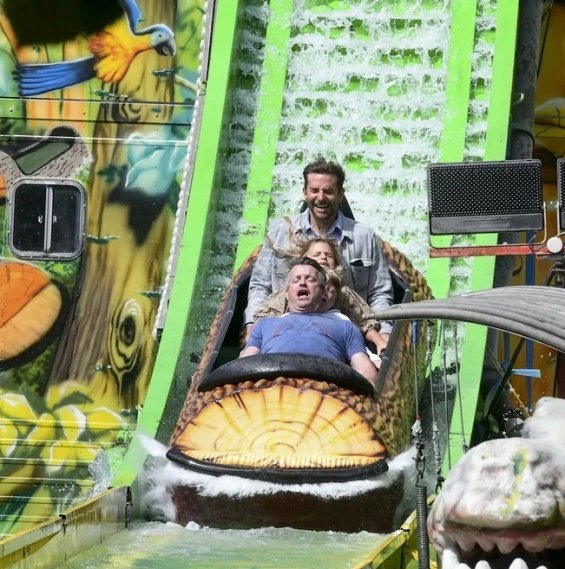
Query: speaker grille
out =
(485, 197)
(561, 191)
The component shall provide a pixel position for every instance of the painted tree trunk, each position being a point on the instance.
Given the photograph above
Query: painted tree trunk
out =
(108, 339)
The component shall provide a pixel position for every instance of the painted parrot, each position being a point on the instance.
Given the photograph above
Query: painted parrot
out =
(113, 48)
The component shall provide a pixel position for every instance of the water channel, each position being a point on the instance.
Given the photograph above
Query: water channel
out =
(151, 545)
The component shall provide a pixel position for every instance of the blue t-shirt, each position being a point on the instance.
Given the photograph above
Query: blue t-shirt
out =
(320, 334)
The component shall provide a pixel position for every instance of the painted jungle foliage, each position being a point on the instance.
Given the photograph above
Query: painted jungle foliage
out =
(96, 101)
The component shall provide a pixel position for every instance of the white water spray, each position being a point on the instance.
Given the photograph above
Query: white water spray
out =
(160, 475)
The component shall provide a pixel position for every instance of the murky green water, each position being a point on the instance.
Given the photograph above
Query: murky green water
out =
(152, 545)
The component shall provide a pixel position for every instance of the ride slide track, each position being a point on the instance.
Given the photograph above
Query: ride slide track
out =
(383, 88)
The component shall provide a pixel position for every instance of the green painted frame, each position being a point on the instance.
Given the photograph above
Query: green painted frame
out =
(458, 94)
(270, 101)
(204, 182)
(472, 353)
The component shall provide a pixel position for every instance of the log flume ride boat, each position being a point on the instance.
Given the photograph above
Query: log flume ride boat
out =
(314, 437)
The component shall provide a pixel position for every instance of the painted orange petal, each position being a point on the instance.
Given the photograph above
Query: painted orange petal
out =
(19, 283)
(29, 307)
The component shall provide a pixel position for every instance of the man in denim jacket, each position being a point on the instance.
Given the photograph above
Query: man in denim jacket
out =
(365, 268)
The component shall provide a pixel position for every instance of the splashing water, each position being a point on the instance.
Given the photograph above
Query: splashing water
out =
(169, 546)
(160, 474)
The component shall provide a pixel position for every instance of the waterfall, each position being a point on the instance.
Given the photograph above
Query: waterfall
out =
(365, 86)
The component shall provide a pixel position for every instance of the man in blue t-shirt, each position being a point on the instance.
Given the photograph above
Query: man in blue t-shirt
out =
(364, 265)
(305, 330)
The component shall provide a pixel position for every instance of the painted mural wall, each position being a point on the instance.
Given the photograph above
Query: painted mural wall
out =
(96, 101)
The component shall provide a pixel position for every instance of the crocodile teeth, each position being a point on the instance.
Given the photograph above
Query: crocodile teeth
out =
(535, 542)
(518, 564)
(450, 560)
(465, 540)
(485, 543)
(505, 545)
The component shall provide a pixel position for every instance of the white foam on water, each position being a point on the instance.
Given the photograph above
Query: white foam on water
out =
(170, 546)
(160, 475)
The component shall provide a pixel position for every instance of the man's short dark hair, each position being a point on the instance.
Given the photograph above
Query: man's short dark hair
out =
(323, 166)
(323, 277)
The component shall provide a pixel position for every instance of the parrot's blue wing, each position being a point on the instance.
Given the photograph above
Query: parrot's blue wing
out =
(133, 13)
(36, 79)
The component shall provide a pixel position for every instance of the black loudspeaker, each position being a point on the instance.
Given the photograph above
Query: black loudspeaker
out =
(561, 191)
(485, 197)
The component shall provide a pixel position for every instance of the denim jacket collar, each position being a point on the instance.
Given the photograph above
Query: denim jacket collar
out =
(340, 229)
